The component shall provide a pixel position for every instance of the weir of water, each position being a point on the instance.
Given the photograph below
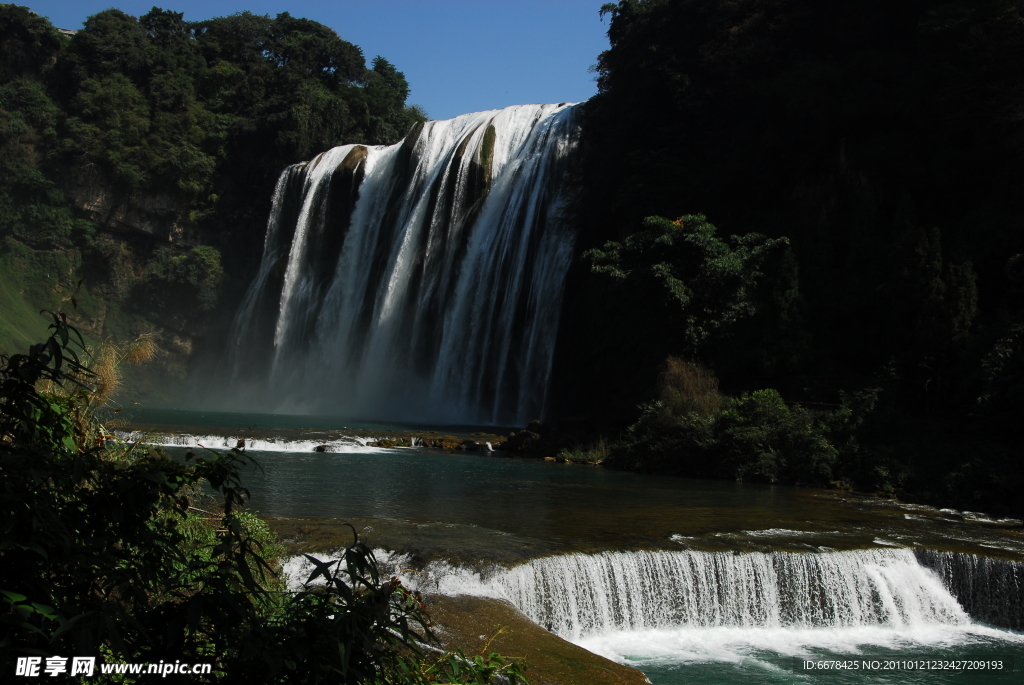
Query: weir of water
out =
(581, 595)
(420, 281)
(990, 590)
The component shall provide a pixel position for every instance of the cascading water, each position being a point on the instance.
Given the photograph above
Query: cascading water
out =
(578, 595)
(991, 590)
(421, 281)
(651, 608)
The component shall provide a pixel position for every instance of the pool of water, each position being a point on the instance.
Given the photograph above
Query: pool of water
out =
(727, 657)
(499, 504)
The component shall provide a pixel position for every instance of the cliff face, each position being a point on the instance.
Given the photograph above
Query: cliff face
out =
(159, 215)
(132, 227)
(125, 269)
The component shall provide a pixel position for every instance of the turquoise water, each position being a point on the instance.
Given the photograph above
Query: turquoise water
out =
(1000, 660)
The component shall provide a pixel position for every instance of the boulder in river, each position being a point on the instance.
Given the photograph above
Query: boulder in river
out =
(523, 441)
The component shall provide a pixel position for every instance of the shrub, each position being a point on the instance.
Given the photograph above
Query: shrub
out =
(595, 453)
(760, 437)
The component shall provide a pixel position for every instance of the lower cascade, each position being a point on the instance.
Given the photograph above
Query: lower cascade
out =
(418, 282)
(577, 596)
(990, 590)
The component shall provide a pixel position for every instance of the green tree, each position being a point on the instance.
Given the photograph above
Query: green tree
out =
(110, 42)
(386, 92)
(110, 127)
(28, 42)
(312, 49)
(698, 283)
(197, 272)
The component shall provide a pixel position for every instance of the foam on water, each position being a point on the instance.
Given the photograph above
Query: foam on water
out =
(733, 644)
(345, 444)
(785, 533)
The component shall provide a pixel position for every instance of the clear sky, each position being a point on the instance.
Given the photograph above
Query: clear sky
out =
(458, 55)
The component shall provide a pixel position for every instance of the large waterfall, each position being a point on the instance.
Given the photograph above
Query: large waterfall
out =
(420, 281)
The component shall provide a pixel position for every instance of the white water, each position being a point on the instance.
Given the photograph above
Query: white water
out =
(735, 645)
(582, 595)
(424, 285)
(345, 444)
(693, 606)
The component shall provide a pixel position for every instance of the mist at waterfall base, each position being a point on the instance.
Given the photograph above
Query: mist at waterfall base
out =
(418, 282)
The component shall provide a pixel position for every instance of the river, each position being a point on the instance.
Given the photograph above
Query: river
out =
(687, 580)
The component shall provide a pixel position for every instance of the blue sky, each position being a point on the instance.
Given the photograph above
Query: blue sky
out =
(459, 56)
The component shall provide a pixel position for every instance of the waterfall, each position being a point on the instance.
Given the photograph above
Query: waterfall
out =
(990, 590)
(578, 595)
(420, 281)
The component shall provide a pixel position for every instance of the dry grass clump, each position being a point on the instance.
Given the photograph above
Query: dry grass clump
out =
(687, 388)
(96, 388)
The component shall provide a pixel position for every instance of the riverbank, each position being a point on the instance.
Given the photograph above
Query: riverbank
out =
(481, 624)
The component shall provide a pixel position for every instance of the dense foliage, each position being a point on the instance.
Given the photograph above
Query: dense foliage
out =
(698, 281)
(882, 139)
(104, 552)
(693, 430)
(209, 111)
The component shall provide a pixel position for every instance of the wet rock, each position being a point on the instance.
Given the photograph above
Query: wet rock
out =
(540, 428)
(322, 448)
(471, 623)
(443, 442)
(523, 441)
